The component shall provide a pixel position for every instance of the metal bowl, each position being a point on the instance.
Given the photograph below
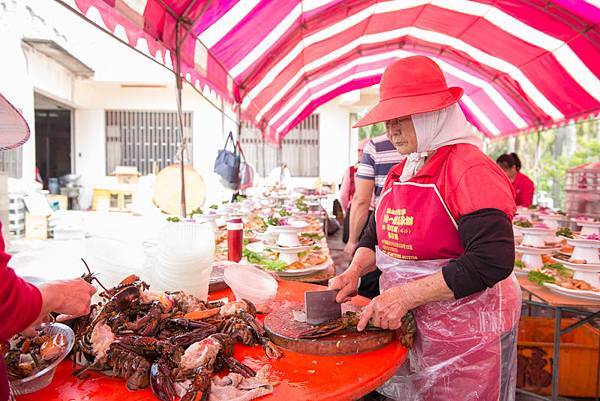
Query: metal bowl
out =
(44, 377)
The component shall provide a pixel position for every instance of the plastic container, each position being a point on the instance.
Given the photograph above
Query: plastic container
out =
(578, 368)
(44, 377)
(248, 282)
(184, 256)
(114, 259)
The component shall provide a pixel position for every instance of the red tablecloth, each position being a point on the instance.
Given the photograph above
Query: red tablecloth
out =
(301, 376)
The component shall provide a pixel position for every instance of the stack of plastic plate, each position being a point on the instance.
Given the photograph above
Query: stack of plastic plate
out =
(184, 256)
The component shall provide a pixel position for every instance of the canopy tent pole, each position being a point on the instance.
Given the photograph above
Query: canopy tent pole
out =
(179, 84)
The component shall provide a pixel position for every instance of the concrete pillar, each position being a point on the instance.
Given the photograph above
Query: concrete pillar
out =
(90, 152)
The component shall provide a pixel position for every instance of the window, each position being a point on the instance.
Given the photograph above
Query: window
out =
(11, 162)
(299, 149)
(147, 140)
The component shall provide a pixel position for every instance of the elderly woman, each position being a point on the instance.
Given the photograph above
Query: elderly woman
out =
(442, 238)
(22, 305)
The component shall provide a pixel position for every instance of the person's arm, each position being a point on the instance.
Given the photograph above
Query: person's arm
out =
(487, 236)
(364, 184)
(345, 191)
(362, 263)
(20, 303)
(359, 211)
(489, 257)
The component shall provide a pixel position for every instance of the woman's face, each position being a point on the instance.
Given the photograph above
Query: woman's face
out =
(511, 172)
(401, 133)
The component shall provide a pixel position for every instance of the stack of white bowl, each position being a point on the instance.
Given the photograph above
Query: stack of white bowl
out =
(184, 256)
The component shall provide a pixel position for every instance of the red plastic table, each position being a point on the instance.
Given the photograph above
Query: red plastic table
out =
(301, 376)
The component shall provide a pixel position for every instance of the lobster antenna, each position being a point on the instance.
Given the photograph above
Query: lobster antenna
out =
(92, 276)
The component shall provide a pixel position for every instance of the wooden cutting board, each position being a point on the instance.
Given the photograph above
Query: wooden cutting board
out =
(284, 331)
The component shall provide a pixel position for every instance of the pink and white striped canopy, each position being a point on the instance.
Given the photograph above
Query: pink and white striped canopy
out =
(522, 63)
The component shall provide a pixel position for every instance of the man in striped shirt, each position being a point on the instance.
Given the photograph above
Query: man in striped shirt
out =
(379, 156)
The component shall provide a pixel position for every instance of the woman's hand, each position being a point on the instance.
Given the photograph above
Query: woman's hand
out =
(346, 283)
(386, 310)
(70, 298)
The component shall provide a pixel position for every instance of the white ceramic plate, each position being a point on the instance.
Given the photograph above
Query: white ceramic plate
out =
(536, 251)
(586, 223)
(577, 266)
(588, 243)
(307, 271)
(521, 272)
(260, 247)
(579, 294)
(535, 230)
(294, 227)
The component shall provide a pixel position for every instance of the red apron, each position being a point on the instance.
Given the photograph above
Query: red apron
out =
(465, 349)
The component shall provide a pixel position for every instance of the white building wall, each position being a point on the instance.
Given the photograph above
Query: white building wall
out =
(15, 83)
(334, 141)
(25, 70)
(92, 96)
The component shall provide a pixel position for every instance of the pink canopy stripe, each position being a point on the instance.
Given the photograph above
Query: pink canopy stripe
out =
(523, 64)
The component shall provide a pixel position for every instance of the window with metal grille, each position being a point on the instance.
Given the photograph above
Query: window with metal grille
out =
(299, 149)
(11, 162)
(145, 139)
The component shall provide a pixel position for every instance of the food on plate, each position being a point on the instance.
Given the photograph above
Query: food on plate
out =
(519, 264)
(25, 357)
(564, 232)
(297, 265)
(592, 237)
(550, 273)
(574, 284)
(301, 204)
(313, 236)
(567, 249)
(314, 259)
(268, 260)
(523, 223)
(539, 278)
(556, 273)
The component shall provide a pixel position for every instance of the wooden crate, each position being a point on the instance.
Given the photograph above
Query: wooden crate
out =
(578, 368)
(117, 199)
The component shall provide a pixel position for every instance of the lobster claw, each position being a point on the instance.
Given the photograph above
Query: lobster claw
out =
(199, 389)
(161, 383)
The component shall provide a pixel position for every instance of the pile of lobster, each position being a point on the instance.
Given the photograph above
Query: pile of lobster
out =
(170, 341)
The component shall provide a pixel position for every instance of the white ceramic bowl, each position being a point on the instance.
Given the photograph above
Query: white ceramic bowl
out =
(248, 282)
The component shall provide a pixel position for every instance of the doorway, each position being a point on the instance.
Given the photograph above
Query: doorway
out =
(52, 143)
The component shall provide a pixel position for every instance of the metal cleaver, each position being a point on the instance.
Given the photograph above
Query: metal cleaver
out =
(320, 306)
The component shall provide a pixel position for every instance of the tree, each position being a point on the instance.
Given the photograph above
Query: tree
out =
(371, 131)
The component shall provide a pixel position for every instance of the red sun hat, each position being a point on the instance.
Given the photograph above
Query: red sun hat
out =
(14, 130)
(409, 86)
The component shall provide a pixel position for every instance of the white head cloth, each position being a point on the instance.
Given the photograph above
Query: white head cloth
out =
(436, 129)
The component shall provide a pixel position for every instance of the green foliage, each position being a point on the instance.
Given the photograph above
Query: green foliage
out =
(371, 131)
(547, 155)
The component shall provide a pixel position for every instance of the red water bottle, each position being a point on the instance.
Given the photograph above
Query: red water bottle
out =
(235, 239)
